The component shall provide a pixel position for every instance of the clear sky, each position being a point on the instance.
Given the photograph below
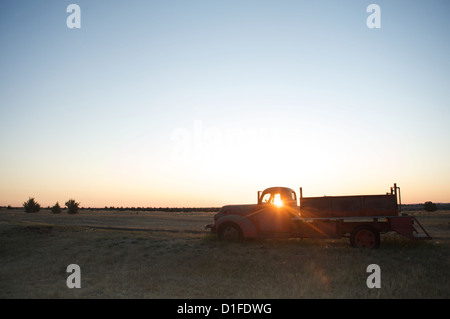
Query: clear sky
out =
(202, 103)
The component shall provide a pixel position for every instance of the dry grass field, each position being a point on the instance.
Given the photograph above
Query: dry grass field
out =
(170, 255)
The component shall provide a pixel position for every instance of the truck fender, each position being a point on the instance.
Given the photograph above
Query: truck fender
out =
(248, 229)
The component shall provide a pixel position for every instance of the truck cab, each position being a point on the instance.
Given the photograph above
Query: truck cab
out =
(271, 216)
(278, 196)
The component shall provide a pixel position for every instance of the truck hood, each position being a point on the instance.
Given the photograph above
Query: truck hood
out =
(238, 209)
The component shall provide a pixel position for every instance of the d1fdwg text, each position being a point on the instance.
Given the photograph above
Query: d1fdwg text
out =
(233, 308)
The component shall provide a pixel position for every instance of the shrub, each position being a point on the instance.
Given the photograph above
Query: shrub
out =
(31, 206)
(429, 207)
(72, 206)
(56, 209)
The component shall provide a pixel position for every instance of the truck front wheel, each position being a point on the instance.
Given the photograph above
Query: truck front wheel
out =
(365, 237)
(230, 232)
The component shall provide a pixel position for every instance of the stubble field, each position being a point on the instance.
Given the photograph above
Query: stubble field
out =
(170, 255)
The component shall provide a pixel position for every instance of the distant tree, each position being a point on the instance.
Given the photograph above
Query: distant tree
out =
(31, 206)
(429, 207)
(72, 206)
(56, 209)
(9, 207)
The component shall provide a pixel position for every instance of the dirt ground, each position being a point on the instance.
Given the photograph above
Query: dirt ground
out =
(119, 220)
(170, 255)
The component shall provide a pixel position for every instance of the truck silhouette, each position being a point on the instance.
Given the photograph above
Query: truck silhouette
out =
(362, 218)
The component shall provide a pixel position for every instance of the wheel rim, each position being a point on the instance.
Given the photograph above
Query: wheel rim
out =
(365, 239)
(230, 233)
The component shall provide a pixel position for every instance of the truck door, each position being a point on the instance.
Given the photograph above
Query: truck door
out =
(272, 216)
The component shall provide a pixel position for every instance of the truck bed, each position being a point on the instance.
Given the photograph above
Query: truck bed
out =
(349, 206)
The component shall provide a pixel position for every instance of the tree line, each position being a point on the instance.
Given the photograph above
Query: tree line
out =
(72, 206)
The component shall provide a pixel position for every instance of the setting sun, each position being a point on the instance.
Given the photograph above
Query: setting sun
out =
(277, 200)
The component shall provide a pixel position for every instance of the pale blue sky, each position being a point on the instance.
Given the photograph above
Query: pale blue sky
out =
(97, 113)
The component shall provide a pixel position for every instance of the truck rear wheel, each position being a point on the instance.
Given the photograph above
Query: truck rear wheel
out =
(230, 232)
(365, 237)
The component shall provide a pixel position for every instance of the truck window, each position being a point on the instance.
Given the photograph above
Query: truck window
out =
(274, 199)
(266, 198)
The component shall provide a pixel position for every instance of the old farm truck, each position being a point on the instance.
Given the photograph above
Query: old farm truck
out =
(277, 214)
